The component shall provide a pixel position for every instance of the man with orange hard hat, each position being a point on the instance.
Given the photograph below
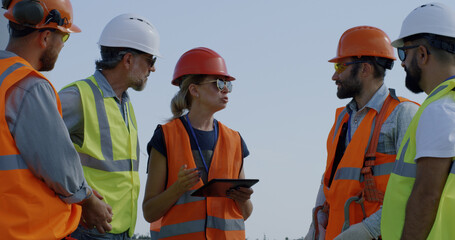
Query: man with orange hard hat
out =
(43, 185)
(364, 140)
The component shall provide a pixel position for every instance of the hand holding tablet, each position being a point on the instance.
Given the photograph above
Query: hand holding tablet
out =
(219, 187)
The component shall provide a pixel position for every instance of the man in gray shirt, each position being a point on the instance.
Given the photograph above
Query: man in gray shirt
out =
(43, 185)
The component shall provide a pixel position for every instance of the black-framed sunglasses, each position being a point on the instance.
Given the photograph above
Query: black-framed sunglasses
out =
(151, 60)
(340, 67)
(220, 84)
(402, 51)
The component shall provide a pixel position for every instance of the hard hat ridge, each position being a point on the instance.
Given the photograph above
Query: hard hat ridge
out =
(200, 60)
(433, 18)
(131, 31)
(364, 41)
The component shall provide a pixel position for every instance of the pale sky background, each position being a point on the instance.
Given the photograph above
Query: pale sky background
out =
(283, 101)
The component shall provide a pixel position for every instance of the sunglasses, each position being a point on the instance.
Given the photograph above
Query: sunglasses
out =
(151, 60)
(402, 51)
(220, 84)
(340, 67)
(65, 37)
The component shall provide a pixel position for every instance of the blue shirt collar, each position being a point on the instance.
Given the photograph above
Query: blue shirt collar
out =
(106, 88)
(375, 102)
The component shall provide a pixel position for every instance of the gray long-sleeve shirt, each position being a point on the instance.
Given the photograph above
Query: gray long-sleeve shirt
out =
(42, 137)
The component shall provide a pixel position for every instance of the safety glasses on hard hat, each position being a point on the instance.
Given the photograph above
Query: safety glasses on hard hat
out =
(340, 67)
(220, 84)
(402, 51)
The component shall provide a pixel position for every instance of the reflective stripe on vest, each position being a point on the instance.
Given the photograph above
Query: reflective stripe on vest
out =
(355, 174)
(197, 217)
(403, 177)
(8, 71)
(110, 159)
(199, 226)
(348, 180)
(108, 165)
(29, 209)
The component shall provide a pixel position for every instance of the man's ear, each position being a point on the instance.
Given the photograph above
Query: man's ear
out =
(367, 69)
(422, 54)
(44, 38)
(127, 60)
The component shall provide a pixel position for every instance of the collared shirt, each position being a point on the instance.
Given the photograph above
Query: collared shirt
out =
(42, 138)
(72, 106)
(394, 127)
(390, 136)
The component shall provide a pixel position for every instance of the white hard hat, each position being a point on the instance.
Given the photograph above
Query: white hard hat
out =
(434, 18)
(131, 31)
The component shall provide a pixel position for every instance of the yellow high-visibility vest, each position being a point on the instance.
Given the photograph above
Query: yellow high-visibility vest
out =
(109, 154)
(402, 180)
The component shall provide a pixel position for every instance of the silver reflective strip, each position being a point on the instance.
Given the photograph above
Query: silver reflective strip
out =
(187, 198)
(105, 132)
(350, 173)
(12, 162)
(154, 235)
(338, 122)
(9, 70)
(383, 169)
(440, 88)
(225, 224)
(109, 165)
(402, 168)
(182, 228)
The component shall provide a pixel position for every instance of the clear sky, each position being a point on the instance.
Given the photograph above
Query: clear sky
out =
(283, 101)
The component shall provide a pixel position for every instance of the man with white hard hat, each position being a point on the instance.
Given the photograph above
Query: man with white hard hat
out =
(100, 119)
(419, 200)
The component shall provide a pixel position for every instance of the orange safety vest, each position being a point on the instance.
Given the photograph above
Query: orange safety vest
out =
(348, 180)
(211, 218)
(155, 229)
(29, 209)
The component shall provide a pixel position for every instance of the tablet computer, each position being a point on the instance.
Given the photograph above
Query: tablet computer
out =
(218, 187)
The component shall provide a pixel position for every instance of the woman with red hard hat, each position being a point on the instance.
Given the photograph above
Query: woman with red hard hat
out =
(190, 150)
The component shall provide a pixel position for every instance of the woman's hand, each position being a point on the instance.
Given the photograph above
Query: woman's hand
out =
(240, 194)
(187, 178)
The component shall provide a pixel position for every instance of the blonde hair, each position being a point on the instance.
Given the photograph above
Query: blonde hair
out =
(182, 100)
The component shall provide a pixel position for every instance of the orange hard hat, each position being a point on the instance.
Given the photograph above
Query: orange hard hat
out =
(200, 60)
(364, 41)
(39, 14)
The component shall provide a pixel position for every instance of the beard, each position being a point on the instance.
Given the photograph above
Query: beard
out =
(413, 77)
(137, 83)
(350, 87)
(48, 58)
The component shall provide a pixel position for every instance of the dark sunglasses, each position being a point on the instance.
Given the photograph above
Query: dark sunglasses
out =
(340, 67)
(151, 60)
(220, 84)
(402, 51)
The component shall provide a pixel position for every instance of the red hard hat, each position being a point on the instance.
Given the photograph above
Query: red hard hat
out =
(364, 41)
(57, 14)
(200, 60)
